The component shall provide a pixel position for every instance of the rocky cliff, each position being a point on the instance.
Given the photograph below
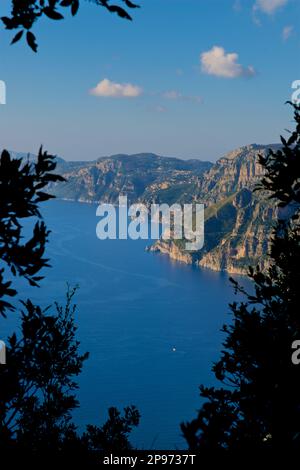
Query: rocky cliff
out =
(238, 220)
(143, 177)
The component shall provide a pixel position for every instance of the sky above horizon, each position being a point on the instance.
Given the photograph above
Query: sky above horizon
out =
(185, 78)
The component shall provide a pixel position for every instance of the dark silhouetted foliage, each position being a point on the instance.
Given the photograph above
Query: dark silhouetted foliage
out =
(113, 436)
(24, 13)
(258, 407)
(22, 185)
(38, 383)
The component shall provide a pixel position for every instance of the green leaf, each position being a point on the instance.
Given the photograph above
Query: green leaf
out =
(130, 4)
(7, 22)
(31, 41)
(53, 14)
(66, 3)
(120, 11)
(75, 6)
(17, 37)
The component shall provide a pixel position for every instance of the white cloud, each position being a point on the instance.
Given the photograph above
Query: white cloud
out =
(287, 32)
(269, 6)
(221, 64)
(237, 6)
(160, 109)
(172, 95)
(111, 89)
(176, 95)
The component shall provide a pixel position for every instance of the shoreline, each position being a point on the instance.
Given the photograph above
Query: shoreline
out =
(164, 249)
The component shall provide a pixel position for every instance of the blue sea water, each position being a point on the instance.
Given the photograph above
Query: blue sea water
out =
(152, 326)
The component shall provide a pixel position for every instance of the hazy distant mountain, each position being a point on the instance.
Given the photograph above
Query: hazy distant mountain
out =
(238, 220)
(144, 177)
(27, 156)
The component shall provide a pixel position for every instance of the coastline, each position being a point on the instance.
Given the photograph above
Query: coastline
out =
(174, 253)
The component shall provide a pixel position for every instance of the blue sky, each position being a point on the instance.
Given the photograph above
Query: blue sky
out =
(200, 77)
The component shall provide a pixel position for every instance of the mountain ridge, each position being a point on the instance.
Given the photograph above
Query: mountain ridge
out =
(238, 220)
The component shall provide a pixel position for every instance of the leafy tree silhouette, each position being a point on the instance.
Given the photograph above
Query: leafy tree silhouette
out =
(21, 191)
(258, 406)
(37, 385)
(113, 436)
(24, 13)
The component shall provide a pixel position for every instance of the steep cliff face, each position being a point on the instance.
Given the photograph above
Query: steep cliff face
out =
(168, 247)
(238, 220)
(233, 172)
(244, 241)
(143, 177)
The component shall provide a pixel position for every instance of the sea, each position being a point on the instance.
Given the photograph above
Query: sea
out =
(151, 325)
